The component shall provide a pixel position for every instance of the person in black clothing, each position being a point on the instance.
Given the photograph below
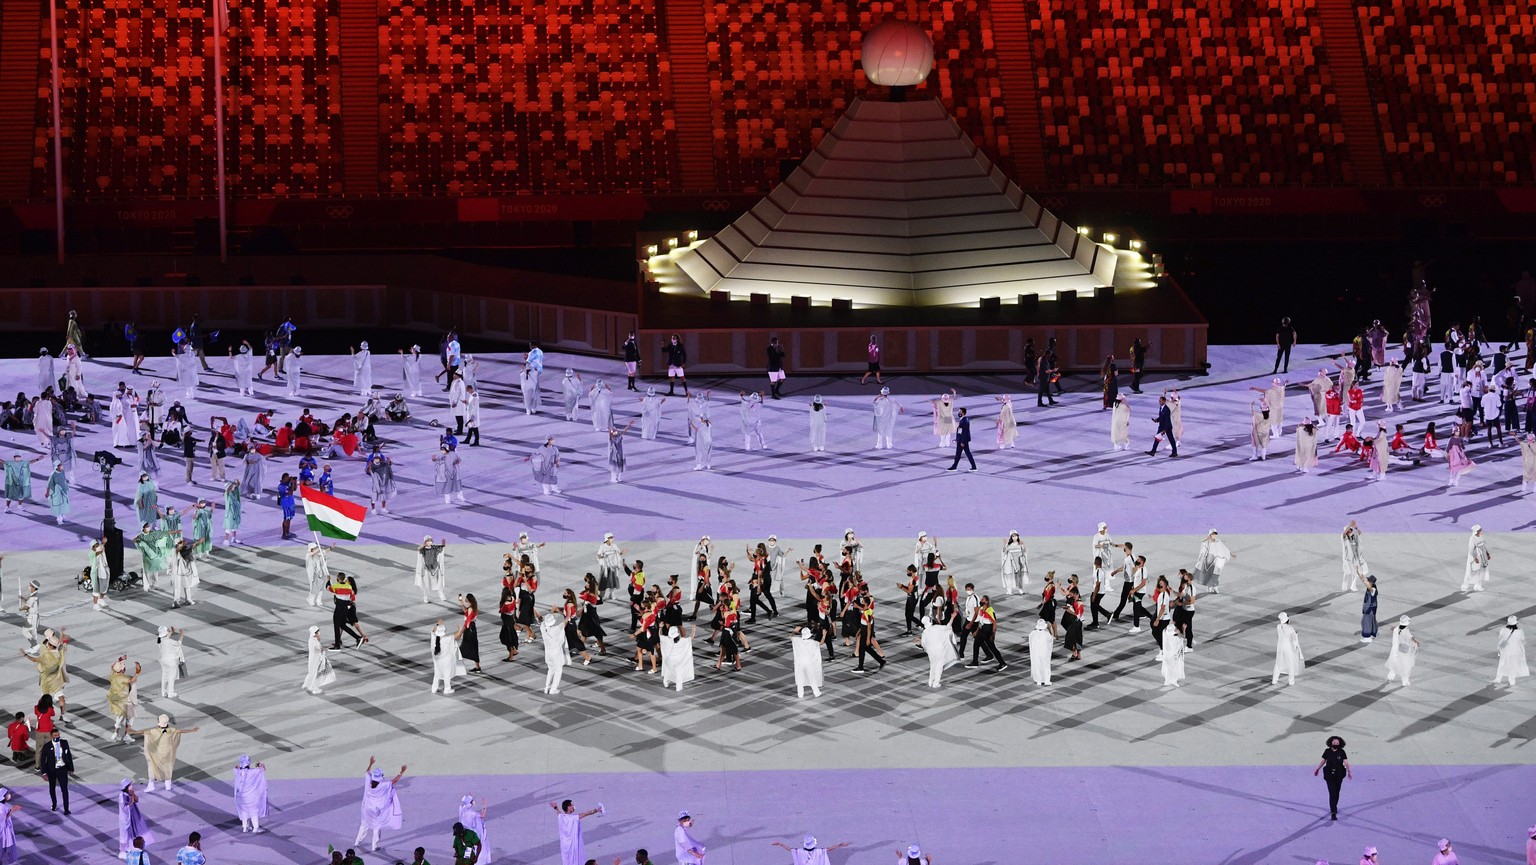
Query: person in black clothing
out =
(677, 362)
(866, 644)
(58, 764)
(1164, 428)
(1054, 365)
(1043, 381)
(775, 367)
(1138, 363)
(1285, 338)
(962, 440)
(1334, 768)
(1031, 361)
(631, 360)
(189, 451)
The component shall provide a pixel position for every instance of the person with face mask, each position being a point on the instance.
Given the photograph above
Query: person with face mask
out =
(160, 745)
(381, 804)
(677, 363)
(689, 850)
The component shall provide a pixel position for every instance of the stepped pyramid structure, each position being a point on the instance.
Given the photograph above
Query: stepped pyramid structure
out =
(897, 207)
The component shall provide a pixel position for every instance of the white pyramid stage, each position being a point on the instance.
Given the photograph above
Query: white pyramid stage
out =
(896, 207)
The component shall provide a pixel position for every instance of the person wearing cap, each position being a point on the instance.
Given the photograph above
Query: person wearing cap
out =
(122, 696)
(1040, 644)
(809, 851)
(1530, 846)
(573, 847)
(250, 794)
(49, 660)
(650, 413)
(8, 809)
(1405, 652)
(690, 851)
(472, 816)
(807, 660)
(432, 569)
(818, 420)
(750, 408)
(1478, 557)
(701, 435)
(1369, 857)
(913, 856)
(160, 744)
(1334, 767)
(318, 671)
(1368, 606)
(293, 368)
(571, 390)
(1446, 855)
(610, 564)
(1288, 657)
(600, 398)
(381, 804)
(1512, 663)
(885, 411)
(1007, 425)
(1212, 558)
(133, 831)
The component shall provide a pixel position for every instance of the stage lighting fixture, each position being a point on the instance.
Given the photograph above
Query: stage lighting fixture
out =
(1110, 238)
(692, 236)
(1136, 245)
(672, 243)
(651, 250)
(1084, 230)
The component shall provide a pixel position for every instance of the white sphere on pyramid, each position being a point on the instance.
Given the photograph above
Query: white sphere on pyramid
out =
(896, 53)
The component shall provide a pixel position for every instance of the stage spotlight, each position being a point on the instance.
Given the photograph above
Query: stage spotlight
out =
(1084, 231)
(1110, 238)
(1136, 245)
(692, 236)
(672, 243)
(651, 250)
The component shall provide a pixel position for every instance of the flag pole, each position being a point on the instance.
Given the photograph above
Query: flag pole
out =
(58, 136)
(220, 23)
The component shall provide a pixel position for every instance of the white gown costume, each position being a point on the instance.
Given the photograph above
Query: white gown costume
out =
(1213, 557)
(1353, 560)
(1040, 644)
(676, 658)
(362, 370)
(650, 415)
(1512, 663)
(443, 649)
(319, 672)
(1288, 657)
(244, 385)
(432, 577)
(1173, 657)
(552, 635)
(1015, 561)
(1404, 654)
(1120, 425)
(294, 369)
(938, 642)
(1476, 573)
(808, 672)
(318, 572)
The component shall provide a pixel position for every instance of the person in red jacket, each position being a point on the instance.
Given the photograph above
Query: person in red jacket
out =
(21, 739)
(1349, 441)
(1356, 398)
(1334, 406)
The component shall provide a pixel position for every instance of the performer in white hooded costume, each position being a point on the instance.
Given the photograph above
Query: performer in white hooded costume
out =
(410, 370)
(676, 658)
(1040, 644)
(573, 846)
(1173, 656)
(250, 794)
(556, 654)
(319, 669)
(1404, 654)
(381, 805)
(1120, 424)
(650, 414)
(818, 421)
(244, 384)
(1476, 573)
(602, 406)
(1210, 561)
(432, 569)
(1007, 426)
(1512, 662)
(533, 399)
(922, 548)
(362, 369)
(701, 432)
(317, 571)
(1261, 428)
(1353, 560)
(751, 409)
(473, 818)
(885, 411)
(446, 662)
(570, 391)
(1288, 657)
(938, 642)
(294, 369)
(1528, 463)
(808, 672)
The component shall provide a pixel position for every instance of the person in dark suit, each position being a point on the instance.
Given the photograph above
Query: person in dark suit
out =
(58, 764)
(962, 440)
(1043, 381)
(1164, 428)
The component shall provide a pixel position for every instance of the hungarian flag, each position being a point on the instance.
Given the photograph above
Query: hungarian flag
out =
(330, 516)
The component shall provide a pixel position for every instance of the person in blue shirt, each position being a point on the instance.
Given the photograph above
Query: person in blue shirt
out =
(535, 358)
(325, 483)
(285, 501)
(192, 854)
(307, 467)
(962, 440)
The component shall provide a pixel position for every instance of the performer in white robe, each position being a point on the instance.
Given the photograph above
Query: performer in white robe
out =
(808, 673)
(751, 409)
(45, 374)
(1405, 652)
(885, 411)
(1317, 387)
(1120, 424)
(1381, 452)
(1015, 560)
(676, 658)
(473, 819)
(250, 794)
(1260, 429)
(1172, 655)
(187, 377)
(938, 642)
(1306, 446)
(317, 571)
(432, 569)
(294, 368)
(1007, 426)
(526, 547)
(602, 406)
(184, 576)
(552, 635)
(702, 433)
(1040, 644)
(446, 662)
(318, 671)
(1392, 385)
(818, 421)
(381, 805)
(610, 566)
(546, 466)
(698, 412)
(1512, 662)
(1175, 413)
(170, 658)
(244, 384)
(1528, 463)
(528, 388)
(855, 549)
(573, 847)
(362, 369)
(1354, 565)
(570, 389)
(1210, 561)
(944, 417)
(1288, 658)
(1276, 396)
(125, 427)
(1476, 573)
(650, 414)
(410, 370)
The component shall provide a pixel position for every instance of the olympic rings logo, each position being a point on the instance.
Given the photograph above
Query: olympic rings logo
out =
(338, 211)
(1432, 201)
(717, 205)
